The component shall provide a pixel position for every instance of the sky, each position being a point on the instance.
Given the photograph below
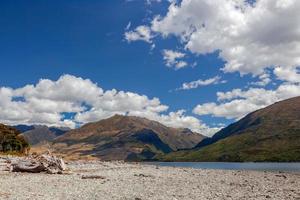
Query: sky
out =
(198, 64)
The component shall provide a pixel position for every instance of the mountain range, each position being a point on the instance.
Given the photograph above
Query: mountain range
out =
(268, 134)
(36, 134)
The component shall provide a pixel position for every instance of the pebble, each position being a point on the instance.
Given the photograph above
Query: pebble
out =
(119, 180)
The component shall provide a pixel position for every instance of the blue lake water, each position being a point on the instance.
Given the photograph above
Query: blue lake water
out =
(293, 167)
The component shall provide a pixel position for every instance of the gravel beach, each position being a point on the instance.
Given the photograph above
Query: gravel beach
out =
(118, 180)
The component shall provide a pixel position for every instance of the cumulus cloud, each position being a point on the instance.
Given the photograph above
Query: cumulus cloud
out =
(264, 79)
(261, 38)
(288, 74)
(237, 103)
(248, 37)
(199, 83)
(142, 33)
(48, 101)
(172, 59)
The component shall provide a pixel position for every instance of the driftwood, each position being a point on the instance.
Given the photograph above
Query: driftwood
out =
(4, 166)
(37, 164)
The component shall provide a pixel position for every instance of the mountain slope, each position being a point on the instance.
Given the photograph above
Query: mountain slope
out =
(269, 134)
(125, 138)
(11, 140)
(36, 134)
(23, 128)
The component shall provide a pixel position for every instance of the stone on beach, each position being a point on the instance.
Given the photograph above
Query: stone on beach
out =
(131, 181)
(92, 177)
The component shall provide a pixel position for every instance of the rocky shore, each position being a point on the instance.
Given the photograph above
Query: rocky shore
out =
(122, 181)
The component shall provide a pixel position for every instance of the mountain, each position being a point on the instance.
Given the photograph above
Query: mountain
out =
(36, 134)
(269, 134)
(11, 140)
(124, 138)
(23, 128)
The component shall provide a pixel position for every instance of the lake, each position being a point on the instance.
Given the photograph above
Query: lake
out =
(233, 166)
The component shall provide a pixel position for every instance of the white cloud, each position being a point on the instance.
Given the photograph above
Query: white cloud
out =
(264, 80)
(149, 2)
(180, 64)
(142, 33)
(259, 39)
(237, 103)
(48, 101)
(172, 59)
(288, 74)
(200, 82)
(128, 26)
(250, 38)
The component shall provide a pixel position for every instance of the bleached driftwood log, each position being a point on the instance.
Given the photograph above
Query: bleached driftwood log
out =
(4, 166)
(44, 163)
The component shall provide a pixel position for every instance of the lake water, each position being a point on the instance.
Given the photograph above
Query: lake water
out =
(233, 166)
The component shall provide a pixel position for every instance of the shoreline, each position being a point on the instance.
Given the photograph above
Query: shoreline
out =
(246, 166)
(137, 181)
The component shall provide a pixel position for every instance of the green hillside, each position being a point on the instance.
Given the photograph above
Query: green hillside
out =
(269, 134)
(11, 140)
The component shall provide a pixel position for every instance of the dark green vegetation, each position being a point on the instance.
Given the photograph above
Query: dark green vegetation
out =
(270, 134)
(36, 134)
(124, 138)
(11, 140)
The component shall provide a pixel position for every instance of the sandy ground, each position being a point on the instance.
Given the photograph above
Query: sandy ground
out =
(140, 182)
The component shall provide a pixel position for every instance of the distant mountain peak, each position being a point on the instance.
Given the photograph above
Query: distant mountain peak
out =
(36, 133)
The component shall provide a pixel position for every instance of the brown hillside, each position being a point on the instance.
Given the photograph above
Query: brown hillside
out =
(125, 138)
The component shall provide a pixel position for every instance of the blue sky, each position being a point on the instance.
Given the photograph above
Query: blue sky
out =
(86, 39)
